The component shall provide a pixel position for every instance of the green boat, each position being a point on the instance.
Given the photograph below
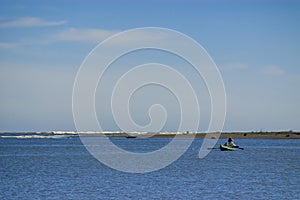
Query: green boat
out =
(226, 148)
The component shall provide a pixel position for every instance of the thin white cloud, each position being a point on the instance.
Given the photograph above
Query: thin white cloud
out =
(97, 35)
(273, 70)
(93, 36)
(30, 22)
(83, 35)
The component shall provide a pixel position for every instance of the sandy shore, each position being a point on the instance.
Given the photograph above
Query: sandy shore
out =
(273, 135)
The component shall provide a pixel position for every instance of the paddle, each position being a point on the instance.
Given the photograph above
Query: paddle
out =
(238, 147)
(233, 147)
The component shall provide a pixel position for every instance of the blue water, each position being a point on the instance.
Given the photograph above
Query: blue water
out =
(63, 169)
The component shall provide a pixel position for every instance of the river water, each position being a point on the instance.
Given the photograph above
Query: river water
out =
(63, 169)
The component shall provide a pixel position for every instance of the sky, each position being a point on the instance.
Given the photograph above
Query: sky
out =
(254, 44)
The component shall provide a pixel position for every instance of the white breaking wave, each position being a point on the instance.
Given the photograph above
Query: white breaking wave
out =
(33, 136)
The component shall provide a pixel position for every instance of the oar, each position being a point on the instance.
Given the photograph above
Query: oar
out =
(214, 148)
(233, 147)
(238, 147)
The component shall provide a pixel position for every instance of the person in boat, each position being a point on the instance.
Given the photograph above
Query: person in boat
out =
(230, 143)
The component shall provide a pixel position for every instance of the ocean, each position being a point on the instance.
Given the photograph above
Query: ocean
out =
(61, 168)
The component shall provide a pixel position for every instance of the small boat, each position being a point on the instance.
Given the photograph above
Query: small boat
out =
(226, 148)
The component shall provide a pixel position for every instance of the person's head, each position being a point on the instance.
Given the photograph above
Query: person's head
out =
(230, 140)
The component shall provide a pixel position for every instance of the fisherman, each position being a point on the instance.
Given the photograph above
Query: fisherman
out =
(230, 143)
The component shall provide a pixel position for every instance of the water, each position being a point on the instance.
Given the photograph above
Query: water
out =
(63, 169)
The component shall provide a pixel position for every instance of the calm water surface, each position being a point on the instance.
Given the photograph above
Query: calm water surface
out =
(63, 169)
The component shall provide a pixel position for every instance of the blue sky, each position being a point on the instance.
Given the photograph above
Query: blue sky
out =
(255, 44)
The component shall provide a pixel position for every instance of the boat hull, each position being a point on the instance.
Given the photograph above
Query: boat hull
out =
(226, 148)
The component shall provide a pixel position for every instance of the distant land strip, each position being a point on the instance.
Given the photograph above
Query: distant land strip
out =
(62, 134)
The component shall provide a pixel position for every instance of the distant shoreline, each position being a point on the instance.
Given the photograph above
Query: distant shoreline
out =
(267, 135)
(61, 134)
